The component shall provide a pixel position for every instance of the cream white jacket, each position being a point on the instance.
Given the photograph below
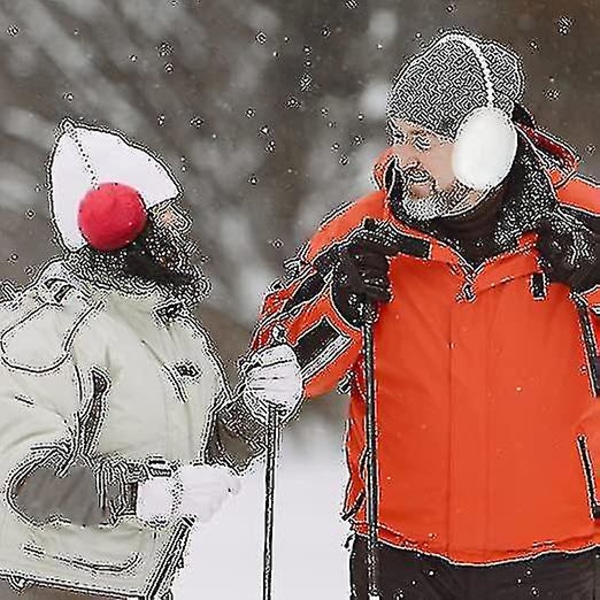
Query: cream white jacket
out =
(106, 382)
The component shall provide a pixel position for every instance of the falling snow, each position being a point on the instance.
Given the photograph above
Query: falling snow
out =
(564, 25)
(175, 75)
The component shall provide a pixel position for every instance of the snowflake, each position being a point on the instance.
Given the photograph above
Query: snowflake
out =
(197, 121)
(292, 102)
(306, 82)
(165, 49)
(564, 25)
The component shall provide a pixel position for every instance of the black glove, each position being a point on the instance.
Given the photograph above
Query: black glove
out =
(569, 251)
(361, 273)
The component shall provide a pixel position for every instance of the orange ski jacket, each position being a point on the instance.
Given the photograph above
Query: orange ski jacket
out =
(487, 384)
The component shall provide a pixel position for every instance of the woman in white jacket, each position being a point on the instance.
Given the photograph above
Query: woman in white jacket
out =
(118, 430)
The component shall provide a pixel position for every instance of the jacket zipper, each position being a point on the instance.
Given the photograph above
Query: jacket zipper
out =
(34, 550)
(467, 292)
(588, 471)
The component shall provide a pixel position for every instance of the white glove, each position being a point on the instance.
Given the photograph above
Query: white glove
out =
(156, 499)
(273, 378)
(195, 490)
(204, 489)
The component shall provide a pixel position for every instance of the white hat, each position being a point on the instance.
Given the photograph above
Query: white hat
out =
(85, 158)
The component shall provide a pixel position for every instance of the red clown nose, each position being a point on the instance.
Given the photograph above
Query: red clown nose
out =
(111, 216)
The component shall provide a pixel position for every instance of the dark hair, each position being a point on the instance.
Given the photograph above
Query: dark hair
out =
(155, 257)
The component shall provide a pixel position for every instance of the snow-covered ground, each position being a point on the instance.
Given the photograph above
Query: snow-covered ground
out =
(310, 561)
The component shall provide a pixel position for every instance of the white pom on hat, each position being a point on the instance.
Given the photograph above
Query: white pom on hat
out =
(85, 157)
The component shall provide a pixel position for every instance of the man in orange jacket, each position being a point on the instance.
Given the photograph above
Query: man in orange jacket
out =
(484, 264)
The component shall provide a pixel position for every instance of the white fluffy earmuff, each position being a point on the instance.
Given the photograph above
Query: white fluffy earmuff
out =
(486, 143)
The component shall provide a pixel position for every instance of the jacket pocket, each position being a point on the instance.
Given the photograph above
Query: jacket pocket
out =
(110, 550)
(80, 562)
(588, 472)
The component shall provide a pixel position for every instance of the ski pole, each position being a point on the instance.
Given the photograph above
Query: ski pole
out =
(272, 450)
(370, 316)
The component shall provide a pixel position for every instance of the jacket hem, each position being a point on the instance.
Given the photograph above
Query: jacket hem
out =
(478, 558)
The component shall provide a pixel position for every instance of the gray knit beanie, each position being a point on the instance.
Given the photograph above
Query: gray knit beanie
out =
(441, 86)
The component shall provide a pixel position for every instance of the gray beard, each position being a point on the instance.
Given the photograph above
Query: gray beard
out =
(437, 205)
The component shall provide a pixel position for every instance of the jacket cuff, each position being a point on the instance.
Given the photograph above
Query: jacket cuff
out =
(236, 437)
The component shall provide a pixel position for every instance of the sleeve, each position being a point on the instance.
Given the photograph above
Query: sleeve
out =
(588, 428)
(580, 198)
(47, 479)
(299, 308)
(61, 479)
(52, 412)
(235, 437)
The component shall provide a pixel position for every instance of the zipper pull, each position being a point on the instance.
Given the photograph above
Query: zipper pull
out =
(467, 293)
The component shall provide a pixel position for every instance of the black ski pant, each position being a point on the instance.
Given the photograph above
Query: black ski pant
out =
(409, 575)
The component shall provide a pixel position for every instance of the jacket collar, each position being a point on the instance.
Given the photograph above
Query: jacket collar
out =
(56, 282)
(528, 195)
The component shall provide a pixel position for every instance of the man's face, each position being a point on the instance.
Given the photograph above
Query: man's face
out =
(425, 161)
